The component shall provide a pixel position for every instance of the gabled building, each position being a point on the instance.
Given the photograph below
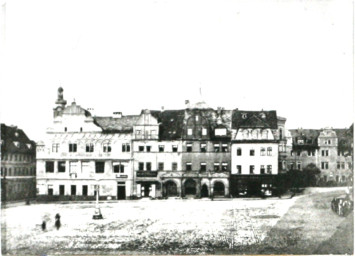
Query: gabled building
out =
(18, 165)
(82, 155)
(255, 151)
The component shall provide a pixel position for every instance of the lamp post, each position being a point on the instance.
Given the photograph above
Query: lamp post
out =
(97, 215)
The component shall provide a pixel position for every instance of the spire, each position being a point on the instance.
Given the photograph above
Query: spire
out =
(60, 99)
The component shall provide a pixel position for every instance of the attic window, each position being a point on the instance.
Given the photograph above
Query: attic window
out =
(171, 120)
(262, 115)
(29, 145)
(244, 115)
(16, 134)
(220, 131)
(17, 144)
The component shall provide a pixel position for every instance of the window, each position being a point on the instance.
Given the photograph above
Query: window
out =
(85, 190)
(107, 147)
(216, 167)
(72, 147)
(262, 169)
(148, 166)
(73, 190)
(189, 131)
(65, 129)
(189, 147)
(15, 157)
(140, 166)
(138, 132)
(141, 148)
(148, 148)
(252, 152)
(298, 153)
(324, 165)
(81, 129)
(239, 169)
(50, 190)
(61, 190)
(269, 151)
(161, 148)
(269, 169)
(188, 166)
(251, 169)
(338, 165)
(175, 148)
(220, 132)
(99, 167)
(203, 167)
(118, 168)
(349, 165)
(161, 166)
(299, 166)
(325, 152)
(224, 148)
(328, 142)
(216, 147)
(224, 167)
(174, 166)
(301, 142)
(204, 131)
(49, 166)
(311, 153)
(262, 151)
(61, 166)
(342, 165)
(203, 147)
(239, 151)
(89, 147)
(291, 152)
(55, 147)
(126, 147)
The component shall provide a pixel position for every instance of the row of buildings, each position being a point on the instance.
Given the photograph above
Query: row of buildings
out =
(196, 151)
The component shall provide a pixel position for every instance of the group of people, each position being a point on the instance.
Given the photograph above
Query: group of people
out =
(57, 223)
(342, 205)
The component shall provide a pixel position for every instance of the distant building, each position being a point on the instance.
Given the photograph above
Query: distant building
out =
(18, 165)
(331, 150)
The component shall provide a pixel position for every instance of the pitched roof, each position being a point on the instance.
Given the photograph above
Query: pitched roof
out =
(254, 119)
(171, 123)
(110, 124)
(15, 140)
(307, 133)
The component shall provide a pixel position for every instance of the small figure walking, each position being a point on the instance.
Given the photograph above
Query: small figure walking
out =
(44, 225)
(57, 221)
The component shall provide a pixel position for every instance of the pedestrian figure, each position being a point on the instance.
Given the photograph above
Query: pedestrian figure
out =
(57, 221)
(44, 225)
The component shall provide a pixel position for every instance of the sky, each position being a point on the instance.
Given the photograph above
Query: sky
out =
(295, 57)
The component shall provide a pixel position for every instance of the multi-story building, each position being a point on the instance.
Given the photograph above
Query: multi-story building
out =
(329, 149)
(82, 155)
(18, 165)
(255, 151)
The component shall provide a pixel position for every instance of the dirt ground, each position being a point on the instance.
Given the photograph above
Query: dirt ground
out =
(301, 225)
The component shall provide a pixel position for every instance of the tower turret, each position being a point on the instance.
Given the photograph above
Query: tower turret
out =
(57, 111)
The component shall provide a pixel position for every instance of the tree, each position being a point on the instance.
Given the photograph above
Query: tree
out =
(310, 175)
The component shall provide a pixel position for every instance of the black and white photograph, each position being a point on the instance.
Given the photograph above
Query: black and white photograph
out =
(177, 127)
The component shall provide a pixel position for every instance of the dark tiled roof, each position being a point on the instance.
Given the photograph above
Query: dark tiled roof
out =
(171, 123)
(305, 133)
(254, 119)
(11, 134)
(345, 138)
(111, 124)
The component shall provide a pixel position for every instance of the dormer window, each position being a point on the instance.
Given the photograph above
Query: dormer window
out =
(17, 144)
(244, 115)
(204, 131)
(196, 118)
(301, 142)
(16, 134)
(220, 132)
(262, 115)
(189, 131)
(29, 145)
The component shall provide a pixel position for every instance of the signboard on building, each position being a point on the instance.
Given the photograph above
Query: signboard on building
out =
(147, 174)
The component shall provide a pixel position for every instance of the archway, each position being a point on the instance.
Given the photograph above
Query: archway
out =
(218, 188)
(190, 187)
(171, 188)
(204, 191)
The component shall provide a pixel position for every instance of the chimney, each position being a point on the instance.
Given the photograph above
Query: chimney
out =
(187, 103)
(117, 114)
(162, 108)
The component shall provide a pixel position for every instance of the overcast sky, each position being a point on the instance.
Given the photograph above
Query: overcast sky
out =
(295, 57)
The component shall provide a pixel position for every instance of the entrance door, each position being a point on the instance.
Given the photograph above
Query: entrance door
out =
(171, 189)
(145, 190)
(204, 191)
(190, 187)
(218, 189)
(121, 192)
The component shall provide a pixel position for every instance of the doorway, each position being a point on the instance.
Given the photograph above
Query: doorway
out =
(121, 192)
(171, 189)
(204, 191)
(190, 187)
